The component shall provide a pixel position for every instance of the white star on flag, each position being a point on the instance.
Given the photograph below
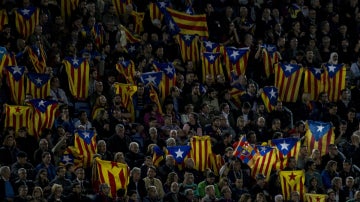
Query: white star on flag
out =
(319, 128)
(272, 94)
(263, 149)
(234, 54)
(171, 25)
(151, 79)
(75, 61)
(2, 51)
(179, 153)
(332, 68)
(317, 71)
(86, 135)
(211, 57)
(208, 44)
(25, 11)
(284, 146)
(16, 69)
(169, 70)
(66, 159)
(187, 37)
(288, 68)
(162, 4)
(132, 49)
(38, 80)
(42, 103)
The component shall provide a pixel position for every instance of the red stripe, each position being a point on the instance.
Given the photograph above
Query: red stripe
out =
(112, 183)
(187, 17)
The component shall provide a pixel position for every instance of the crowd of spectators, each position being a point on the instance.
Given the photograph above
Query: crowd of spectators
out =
(306, 32)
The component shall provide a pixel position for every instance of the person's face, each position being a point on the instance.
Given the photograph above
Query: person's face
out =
(22, 174)
(61, 172)
(47, 159)
(151, 173)
(136, 175)
(80, 173)
(101, 148)
(350, 182)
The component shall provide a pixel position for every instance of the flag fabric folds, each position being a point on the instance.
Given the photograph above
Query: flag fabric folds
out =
(270, 57)
(130, 38)
(26, 19)
(113, 173)
(292, 181)
(335, 81)
(16, 82)
(270, 97)
(154, 97)
(127, 69)
(4, 18)
(38, 58)
(72, 155)
(179, 152)
(67, 7)
(43, 115)
(245, 151)
(153, 78)
(313, 81)
(286, 147)
(77, 70)
(209, 46)
(156, 10)
(189, 24)
(38, 85)
(158, 155)
(138, 19)
(85, 142)
(264, 162)
(18, 116)
(315, 197)
(236, 60)
(287, 81)
(211, 64)
(217, 161)
(200, 151)
(126, 91)
(169, 77)
(189, 47)
(319, 135)
(120, 6)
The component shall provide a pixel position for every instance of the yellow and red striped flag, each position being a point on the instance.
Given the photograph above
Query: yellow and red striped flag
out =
(154, 97)
(286, 148)
(313, 81)
(270, 57)
(26, 19)
(156, 10)
(130, 38)
(16, 82)
(209, 46)
(77, 70)
(4, 19)
(72, 155)
(315, 197)
(67, 7)
(189, 24)
(158, 155)
(270, 97)
(236, 60)
(98, 35)
(211, 64)
(127, 69)
(85, 142)
(264, 162)
(126, 91)
(217, 161)
(189, 47)
(38, 85)
(335, 81)
(169, 77)
(17, 116)
(287, 81)
(43, 115)
(38, 58)
(138, 19)
(200, 152)
(292, 181)
(120, 6)
(113, 173)
(319, 135)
